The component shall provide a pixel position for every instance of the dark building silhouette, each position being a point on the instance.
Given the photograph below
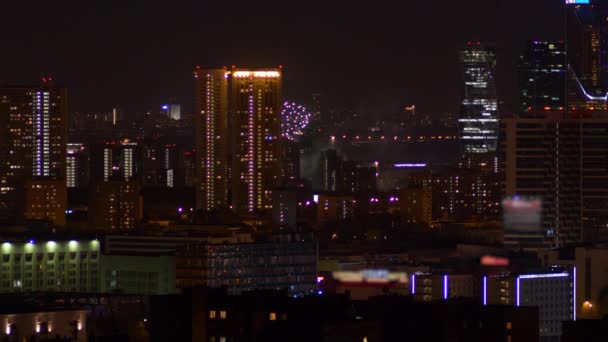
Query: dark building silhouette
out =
(209, 315)
(542, 76)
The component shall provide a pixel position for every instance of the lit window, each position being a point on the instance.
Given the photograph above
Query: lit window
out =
(509, 325)
(223, 314)
(272, 316)
(212, 314)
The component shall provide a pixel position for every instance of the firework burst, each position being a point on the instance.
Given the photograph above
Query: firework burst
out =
(294, 118)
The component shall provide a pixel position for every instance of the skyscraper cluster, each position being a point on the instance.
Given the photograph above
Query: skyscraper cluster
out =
(554, 148)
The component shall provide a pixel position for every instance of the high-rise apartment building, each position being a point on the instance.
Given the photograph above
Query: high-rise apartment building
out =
(77, 164)
(170, 166)
(211, 121)
(416, 206)
(542, 76)
(464, 192)
(478, 122)
(115, 205)
(291, 160)
(284, 207)
(189, 168)
(256, 145)
(115, 160)
(330, 168)
(561, 158)
(32, 145)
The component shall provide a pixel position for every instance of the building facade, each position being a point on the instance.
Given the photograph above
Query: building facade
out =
(560, 157)
(45, 200)
(44, 324)
(242, 267)
(116, 160)
(33, 141)
(478, 122)
(553, 294)
(79, 266)
(115, 206)
(256, 131)
(77, 165)
(552, 291)
(416, 206)
(211, 134)
(284, 207)
(332, 207)
(542, 76)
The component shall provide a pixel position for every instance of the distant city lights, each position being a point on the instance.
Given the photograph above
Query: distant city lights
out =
(256, 74)
(410, 165)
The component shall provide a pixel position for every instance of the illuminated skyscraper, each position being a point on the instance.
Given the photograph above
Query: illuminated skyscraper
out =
(587, 54)
(32, 144)
(478, 122)
(256, 131)
(211, 121)
(542, 74)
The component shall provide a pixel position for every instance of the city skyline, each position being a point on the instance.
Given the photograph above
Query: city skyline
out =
(316, 47)
(305, 172)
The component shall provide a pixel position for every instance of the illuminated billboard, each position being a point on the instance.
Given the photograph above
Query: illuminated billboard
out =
(374, 276)
(577, 2)
(522, 214)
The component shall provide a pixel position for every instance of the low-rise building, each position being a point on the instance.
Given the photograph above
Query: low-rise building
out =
(79, 266)
(249, 266)
(22, 323)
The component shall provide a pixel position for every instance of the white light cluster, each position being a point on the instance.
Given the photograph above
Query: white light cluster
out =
(256, 74)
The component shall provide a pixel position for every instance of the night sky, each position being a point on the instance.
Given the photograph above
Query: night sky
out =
(372, 59)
